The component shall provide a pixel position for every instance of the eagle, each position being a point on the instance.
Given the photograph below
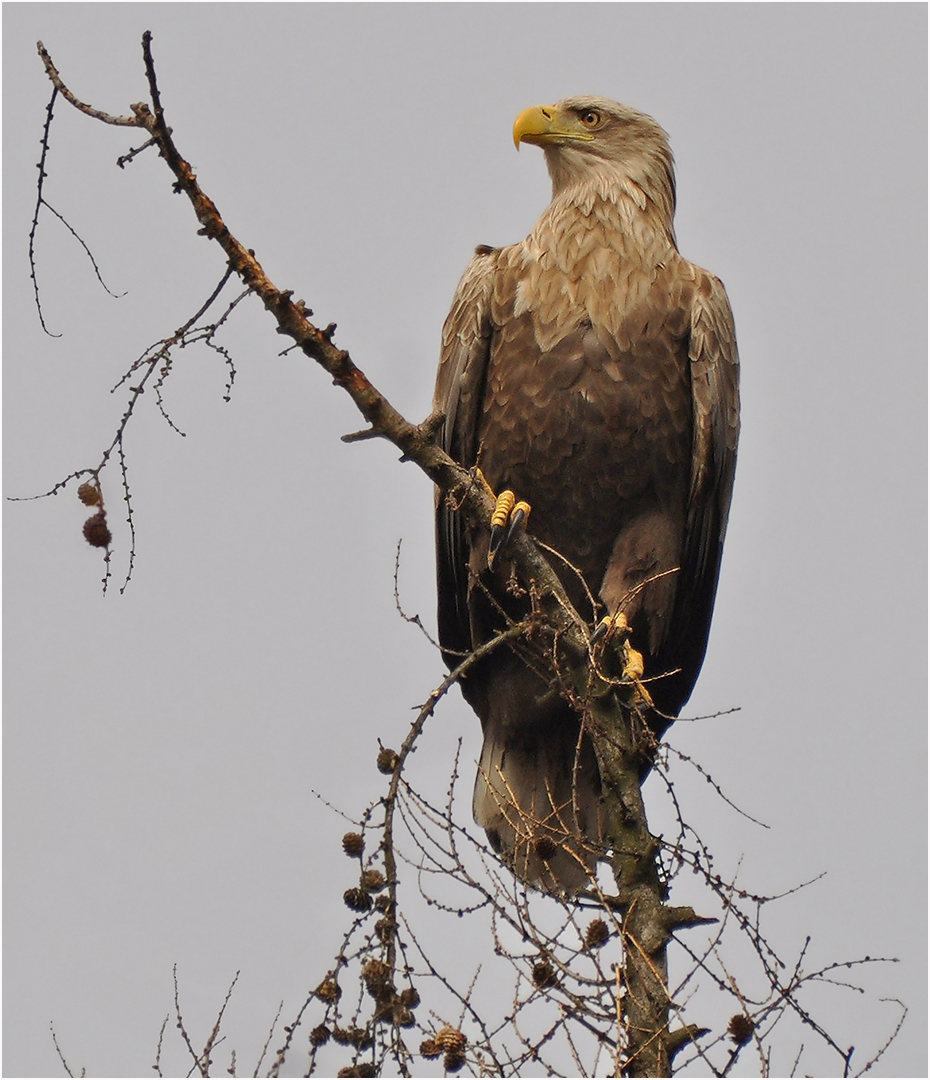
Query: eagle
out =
(593, 372)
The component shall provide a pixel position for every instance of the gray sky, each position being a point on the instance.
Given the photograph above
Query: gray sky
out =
(162, 747)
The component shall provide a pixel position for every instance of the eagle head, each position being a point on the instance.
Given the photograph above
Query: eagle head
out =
(591, 139)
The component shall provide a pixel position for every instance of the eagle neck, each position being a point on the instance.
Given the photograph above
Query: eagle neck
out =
(592, 258)
(621, 219)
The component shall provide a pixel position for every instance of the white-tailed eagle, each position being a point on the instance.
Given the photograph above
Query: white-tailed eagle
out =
(593, 371)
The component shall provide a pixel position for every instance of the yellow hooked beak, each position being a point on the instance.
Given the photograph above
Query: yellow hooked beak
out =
(544, 123)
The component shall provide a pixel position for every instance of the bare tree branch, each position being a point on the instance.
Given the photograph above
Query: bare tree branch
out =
(568, 996)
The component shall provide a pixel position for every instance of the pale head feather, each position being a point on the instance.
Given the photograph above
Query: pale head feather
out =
(629, 152)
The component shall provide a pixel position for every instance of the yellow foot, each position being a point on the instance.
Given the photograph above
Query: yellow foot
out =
(633, 668)
(482, 480)
(631, 659)
(610, 625)
(633, 664)
(508, 516)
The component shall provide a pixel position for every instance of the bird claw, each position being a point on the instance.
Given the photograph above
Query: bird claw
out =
(633, 664)
(610, 625)
(508, 517)
(479, 476)
(633, 668)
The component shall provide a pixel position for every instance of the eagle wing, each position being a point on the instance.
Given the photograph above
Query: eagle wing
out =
(714, 367)
(460, 382)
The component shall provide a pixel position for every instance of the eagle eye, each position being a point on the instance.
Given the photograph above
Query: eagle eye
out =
(590, 118)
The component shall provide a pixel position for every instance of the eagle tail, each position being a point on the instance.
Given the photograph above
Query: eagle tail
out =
(538, 795)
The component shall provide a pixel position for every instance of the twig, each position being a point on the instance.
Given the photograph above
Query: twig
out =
(554, 640)
(61, 1056)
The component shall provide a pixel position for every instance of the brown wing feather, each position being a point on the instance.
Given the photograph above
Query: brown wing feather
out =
(714, 365)
(466, 337)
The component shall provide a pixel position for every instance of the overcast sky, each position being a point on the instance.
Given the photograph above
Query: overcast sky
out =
(162, 746)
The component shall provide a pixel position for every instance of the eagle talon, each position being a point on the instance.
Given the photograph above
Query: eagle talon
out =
(508, 516)
(518, 517)
(482, 480)
(610, 625)
(633, 668)
(633, 664)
